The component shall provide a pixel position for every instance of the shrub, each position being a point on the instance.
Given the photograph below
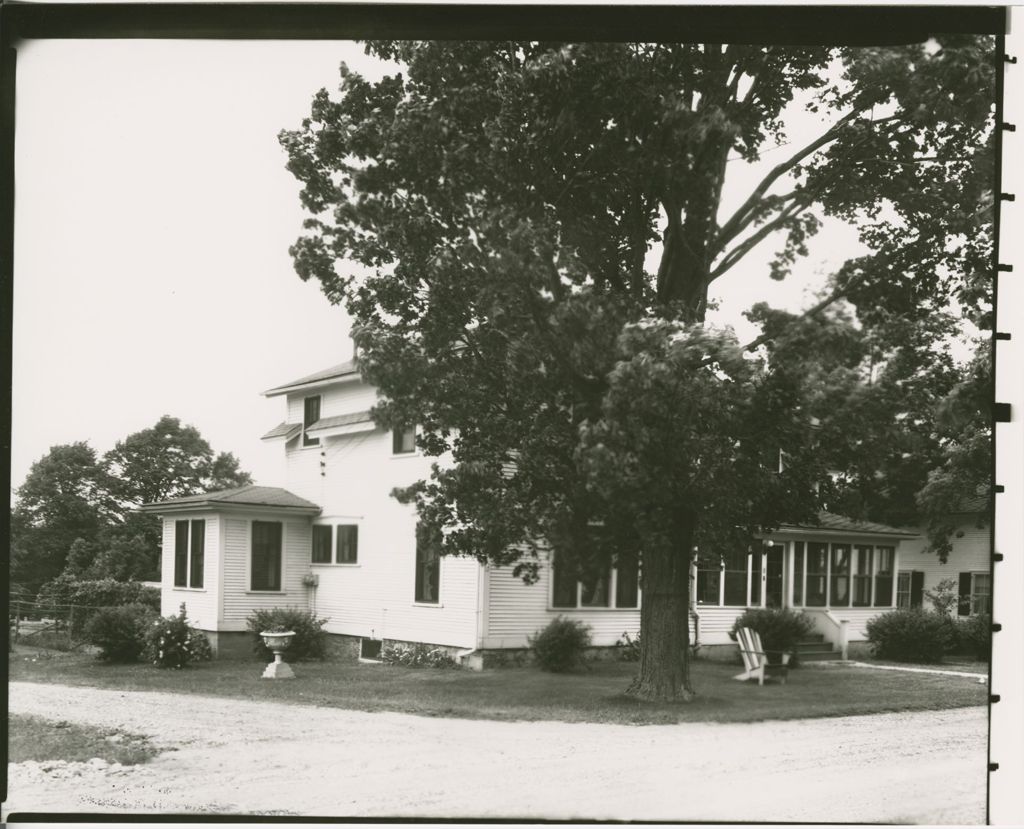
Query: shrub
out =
(629, 647)
(172, 643)
(973, 637)
(88, 596)
(120, 632)
(910, 635)
(417, 656)
(779, 628)
(309, 641)
(944, 597)
(561, 645)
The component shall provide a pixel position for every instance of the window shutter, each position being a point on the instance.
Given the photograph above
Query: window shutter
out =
(964, 606)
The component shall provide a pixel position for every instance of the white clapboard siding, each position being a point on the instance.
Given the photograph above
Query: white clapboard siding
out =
(346, 397)
(971, 553)
(516, 611)
(238, 600)
(712, 625)
(200, 604)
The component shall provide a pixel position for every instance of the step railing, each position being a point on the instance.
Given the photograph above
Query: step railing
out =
(836, 631)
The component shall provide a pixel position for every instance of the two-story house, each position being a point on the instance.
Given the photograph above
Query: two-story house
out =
(335, 542)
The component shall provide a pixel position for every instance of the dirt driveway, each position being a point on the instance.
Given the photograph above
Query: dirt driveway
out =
(268, 758)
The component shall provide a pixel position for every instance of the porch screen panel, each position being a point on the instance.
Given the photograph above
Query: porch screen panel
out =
(563, 589)
(884, 577)
(840, 593)
(817, 570)
(181, 553)
(798, 573)
(595, 589)
(266, 555)
(735, 574)
(197, 554)
(862, 575)
(755, 578)
(709, 576)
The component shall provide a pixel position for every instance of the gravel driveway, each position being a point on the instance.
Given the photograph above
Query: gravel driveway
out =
(269, 758)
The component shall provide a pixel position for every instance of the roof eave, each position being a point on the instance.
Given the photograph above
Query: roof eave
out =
(846, 531)
(225, 506)
(314, 384)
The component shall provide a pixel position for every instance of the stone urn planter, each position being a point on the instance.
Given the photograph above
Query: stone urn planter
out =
(278, 641)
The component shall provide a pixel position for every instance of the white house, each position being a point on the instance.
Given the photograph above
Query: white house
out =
(335, 542)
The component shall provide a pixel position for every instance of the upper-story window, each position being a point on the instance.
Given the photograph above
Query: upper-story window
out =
(189, 552)
(310, 415)
(403, 440)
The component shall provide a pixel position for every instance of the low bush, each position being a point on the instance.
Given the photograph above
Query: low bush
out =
(171, 642)
(779, 628)
(120, 632)
(88, 596)
(913, 635)
(309, 641)
(629, 647)
(561, 645)
(417, 656)
(973, 637)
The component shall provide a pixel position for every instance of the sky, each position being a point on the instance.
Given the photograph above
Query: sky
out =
(153, 216)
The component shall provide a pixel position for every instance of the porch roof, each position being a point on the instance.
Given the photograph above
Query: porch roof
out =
(829, 522)
(246, 497)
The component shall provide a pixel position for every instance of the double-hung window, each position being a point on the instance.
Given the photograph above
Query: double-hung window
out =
(265, 569)
(189, 552)
(403, 440)
(975, 594)
(343, 539)
(428, 566)
(310, 415)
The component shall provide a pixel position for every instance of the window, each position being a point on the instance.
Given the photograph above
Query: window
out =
(428, 565)
(189, 552)
(734, 574)
(883, 576)
(615, 587)
(798, 573)
(348, 544)
(735, 579)
(265, 573)
(816, 567)
(403, 440)
(909, 588)
(840, 577)
(862, 575)
(310, 415)
(975, 594)
(321, 544)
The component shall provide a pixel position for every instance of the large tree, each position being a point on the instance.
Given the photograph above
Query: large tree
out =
(490, 217)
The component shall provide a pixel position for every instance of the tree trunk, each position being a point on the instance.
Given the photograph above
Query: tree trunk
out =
(664, 674)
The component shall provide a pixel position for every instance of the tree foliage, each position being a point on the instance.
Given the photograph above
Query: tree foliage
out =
(77, 511)
(491, 215)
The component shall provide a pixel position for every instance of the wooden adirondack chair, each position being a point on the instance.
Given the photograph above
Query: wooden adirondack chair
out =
(755, 660)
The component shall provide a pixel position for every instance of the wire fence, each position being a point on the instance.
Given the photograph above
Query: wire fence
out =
(48, 625)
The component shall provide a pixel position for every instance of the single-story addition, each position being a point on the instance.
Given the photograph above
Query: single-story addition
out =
(334, 542)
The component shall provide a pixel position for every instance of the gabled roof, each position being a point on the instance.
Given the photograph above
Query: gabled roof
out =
(346, 369)
(283, 430)
(243, 496)
(830, 522)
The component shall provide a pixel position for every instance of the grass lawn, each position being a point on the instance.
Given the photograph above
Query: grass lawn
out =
(34, 738)
(524, 693)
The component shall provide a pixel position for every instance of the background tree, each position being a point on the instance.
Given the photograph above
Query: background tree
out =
(505, 198)
(62, 502)
(79, 513)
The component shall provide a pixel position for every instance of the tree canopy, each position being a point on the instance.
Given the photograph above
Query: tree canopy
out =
(500, 217)
(77, 511)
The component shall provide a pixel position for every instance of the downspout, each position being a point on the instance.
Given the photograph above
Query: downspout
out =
(469, 657)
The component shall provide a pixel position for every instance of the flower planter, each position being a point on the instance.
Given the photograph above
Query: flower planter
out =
(277, 642)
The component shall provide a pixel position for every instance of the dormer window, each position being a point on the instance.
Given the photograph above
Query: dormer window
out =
(310, 415)
(403, 440)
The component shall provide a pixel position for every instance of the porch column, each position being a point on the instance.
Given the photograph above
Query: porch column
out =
(787, 557)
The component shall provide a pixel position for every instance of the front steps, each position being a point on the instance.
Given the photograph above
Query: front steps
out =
(814, 648)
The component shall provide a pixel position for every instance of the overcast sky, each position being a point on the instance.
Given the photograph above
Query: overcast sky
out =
(153, 217)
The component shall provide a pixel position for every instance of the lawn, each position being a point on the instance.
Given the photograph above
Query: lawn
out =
(594, 695)
(35, 738)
